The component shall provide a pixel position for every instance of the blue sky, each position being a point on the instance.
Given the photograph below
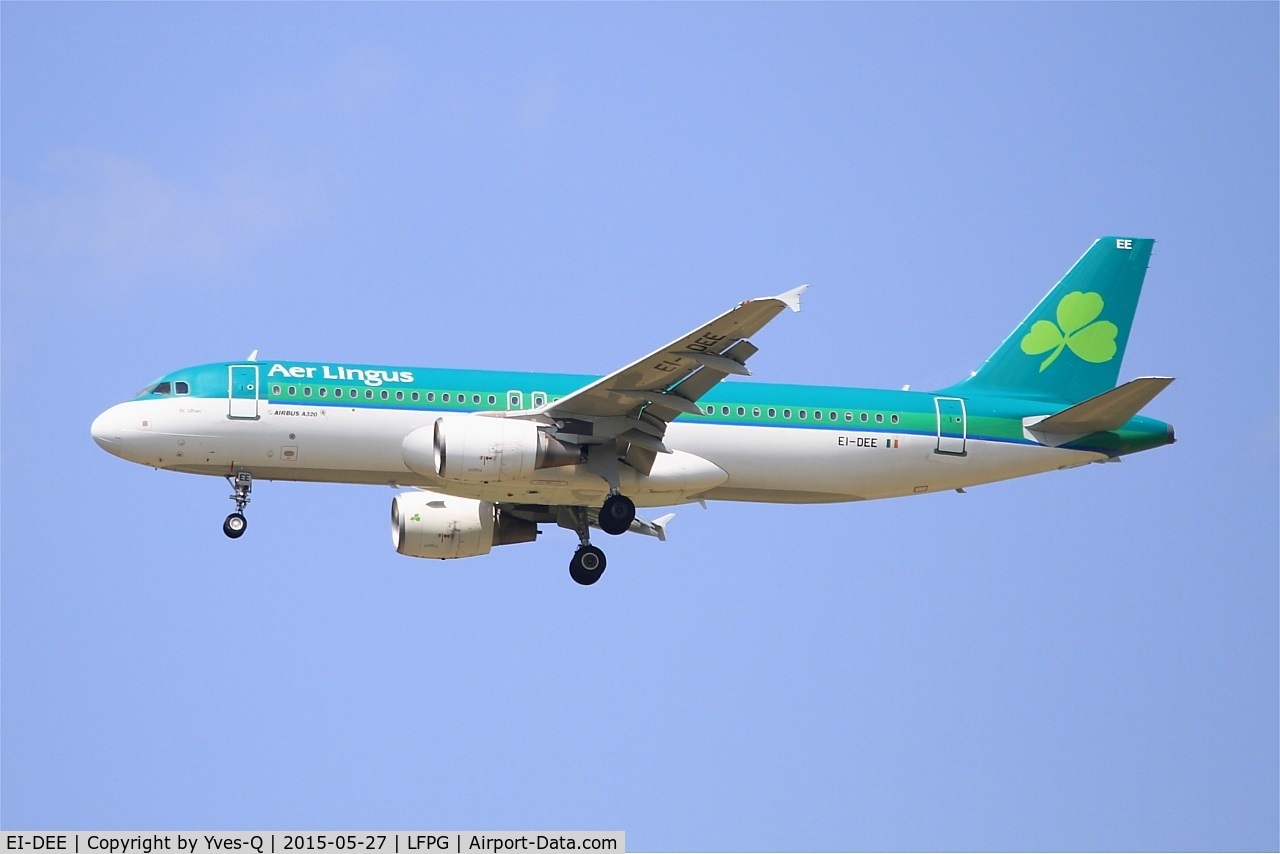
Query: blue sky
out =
(1083, 660)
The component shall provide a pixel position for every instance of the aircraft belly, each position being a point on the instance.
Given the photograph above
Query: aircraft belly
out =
(784, 460)
(813, 465)
(675, 478)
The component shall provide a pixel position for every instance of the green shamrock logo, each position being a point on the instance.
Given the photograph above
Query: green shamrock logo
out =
(1078, 327)
(415, 518)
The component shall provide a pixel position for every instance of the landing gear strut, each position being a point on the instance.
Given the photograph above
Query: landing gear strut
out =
(588, 561)
(617, 514)
(235, 524)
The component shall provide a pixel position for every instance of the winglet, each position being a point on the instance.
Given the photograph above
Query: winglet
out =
(791, 299)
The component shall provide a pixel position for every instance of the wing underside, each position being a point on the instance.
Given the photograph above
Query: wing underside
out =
(634, 405)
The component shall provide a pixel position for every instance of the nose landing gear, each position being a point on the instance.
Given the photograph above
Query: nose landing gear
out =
(235, 524)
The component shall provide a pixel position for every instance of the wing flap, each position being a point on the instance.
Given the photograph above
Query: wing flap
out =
(724, 363)
(698, 384)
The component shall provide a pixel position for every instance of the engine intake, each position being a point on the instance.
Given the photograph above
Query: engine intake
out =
(427, 524)
(479, 449)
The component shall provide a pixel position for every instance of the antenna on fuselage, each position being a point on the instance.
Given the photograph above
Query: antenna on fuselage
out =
(253, 357)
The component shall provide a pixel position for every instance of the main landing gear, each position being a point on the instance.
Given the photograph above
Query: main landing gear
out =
(588, 561)
(615, 517)
(587, 565)
(235, 525)
(617, 514)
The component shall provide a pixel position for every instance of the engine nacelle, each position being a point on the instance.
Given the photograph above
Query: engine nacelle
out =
(479, 449)
(427, 524)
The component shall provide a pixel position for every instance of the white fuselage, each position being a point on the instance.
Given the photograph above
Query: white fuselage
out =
(338, 444)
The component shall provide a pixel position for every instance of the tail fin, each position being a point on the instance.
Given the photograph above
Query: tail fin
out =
(1070, 347)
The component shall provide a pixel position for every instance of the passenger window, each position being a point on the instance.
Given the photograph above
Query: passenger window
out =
(368, 394)
(833, 416)
(863, 418)
(445, 397)
(879, 417)
(275, 389)
(414, 396)
(848, 416)
(894, 419)
(181, 388)
(399, 395)
(323, 391)
(306, 391)
(802, 414)
(786, 413)
(724, 410)
(493, 400)
(385, 394)
(475, 398)
(293, 391)
(355, 393)
(755, 412)
(773, 413)
(431, 397)
(742, 411)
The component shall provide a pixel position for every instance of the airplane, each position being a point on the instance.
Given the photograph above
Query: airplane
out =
(486, 457)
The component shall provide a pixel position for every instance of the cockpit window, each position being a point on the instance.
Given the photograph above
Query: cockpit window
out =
(181, 388)
(163, 388)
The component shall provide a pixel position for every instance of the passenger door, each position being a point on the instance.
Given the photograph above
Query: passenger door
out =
(242, 400)
(952, 429)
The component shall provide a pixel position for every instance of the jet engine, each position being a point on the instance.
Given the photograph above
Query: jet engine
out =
(480, 449)
(427, 524)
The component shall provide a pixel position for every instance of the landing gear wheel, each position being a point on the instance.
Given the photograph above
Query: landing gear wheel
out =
(617, 514)
(235, 525)
(587, 565)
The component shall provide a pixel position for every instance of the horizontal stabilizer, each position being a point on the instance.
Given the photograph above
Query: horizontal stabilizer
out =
(1107, 411)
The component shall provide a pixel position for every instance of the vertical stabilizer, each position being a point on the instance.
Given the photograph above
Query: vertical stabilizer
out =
(1070, 347)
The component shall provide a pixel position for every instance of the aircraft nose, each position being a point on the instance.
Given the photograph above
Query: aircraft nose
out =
(107, 430)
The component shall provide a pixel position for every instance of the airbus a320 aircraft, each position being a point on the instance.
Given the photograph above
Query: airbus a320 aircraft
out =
(492, 455)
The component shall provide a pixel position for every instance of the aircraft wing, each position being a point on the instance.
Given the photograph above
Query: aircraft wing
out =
(668, 381)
